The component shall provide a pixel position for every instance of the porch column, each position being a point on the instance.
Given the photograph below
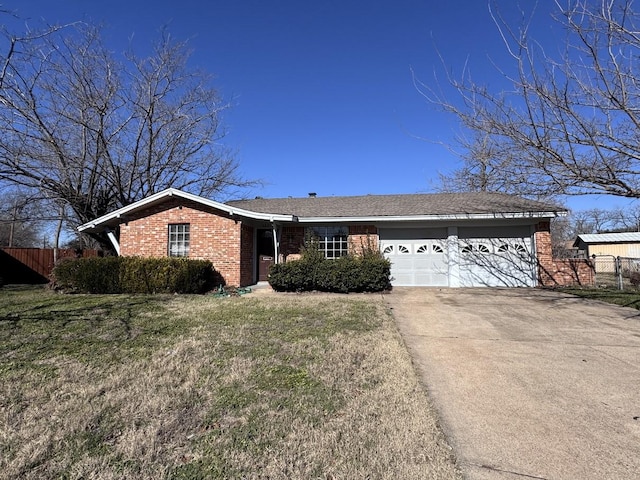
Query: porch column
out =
(114, 241)
(276, 242)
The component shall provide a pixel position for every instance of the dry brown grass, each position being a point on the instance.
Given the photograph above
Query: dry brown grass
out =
(279, 386)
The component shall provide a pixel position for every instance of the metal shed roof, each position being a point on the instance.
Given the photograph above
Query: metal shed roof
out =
(594, 238)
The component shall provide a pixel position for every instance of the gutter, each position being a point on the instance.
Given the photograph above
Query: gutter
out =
(420, 218)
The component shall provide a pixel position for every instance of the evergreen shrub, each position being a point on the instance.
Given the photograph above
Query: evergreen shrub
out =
(88, 275)
(135, 275)
(369, 272)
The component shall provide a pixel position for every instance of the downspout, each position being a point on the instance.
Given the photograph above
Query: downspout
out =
(114, 241)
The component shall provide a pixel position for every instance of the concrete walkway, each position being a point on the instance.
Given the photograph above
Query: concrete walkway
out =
(529, 384)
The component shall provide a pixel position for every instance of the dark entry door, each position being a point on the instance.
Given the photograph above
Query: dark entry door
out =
(265, 253)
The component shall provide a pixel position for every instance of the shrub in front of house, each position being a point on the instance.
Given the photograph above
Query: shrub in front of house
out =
(88, 275)
(135, 275)
(366, 273)
(166, 275)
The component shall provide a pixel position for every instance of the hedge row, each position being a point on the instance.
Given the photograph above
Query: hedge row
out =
(370, 273)
(135, 275)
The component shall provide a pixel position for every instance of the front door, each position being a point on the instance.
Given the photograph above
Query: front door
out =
(265, 253)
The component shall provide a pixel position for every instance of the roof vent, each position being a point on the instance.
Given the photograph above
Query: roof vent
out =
(313, 194)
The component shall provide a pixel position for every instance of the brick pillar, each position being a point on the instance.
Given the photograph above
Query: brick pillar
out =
(544, 254)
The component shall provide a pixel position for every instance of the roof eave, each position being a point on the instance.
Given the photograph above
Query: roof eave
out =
(422, 218)
(117, 216)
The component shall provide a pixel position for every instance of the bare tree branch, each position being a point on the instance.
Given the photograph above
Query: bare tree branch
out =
(570, 124)
(94, 132)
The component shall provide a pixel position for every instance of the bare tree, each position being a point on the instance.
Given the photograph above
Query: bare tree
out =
(627, 219)
(19, 221)
(485, 168)
(92, 132)
(570, 123)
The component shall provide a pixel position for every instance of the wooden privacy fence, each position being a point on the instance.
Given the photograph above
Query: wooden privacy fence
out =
(34, 265)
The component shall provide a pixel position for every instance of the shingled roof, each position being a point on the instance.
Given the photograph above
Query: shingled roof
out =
(445, 204)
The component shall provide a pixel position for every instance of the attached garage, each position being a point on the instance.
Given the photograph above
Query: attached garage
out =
(418, 256)
(498, 256)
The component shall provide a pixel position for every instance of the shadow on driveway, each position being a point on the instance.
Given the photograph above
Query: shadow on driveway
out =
(528, 383)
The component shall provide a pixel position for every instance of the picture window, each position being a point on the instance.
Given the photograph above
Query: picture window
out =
(332, 241)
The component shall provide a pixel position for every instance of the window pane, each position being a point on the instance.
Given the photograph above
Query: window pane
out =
(332, 241)
(178, 242)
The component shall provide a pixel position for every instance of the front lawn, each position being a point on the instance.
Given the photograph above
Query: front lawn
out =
(148, 387)
(626, 298)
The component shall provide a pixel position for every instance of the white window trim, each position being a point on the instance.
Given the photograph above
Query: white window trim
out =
(178, 239)
(330, 246)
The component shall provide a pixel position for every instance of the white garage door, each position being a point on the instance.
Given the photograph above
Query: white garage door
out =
(497, 262)
(415, 261)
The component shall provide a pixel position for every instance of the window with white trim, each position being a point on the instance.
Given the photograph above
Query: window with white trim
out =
(403, 249)
(332, 241)
(178, 244)
(466, 249)
(520, 249)
(473, 248)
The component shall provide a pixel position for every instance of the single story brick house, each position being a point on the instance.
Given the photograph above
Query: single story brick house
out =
(443, 239)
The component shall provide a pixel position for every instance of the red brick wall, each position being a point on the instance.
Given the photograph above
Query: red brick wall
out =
(361, 237)
(214, 236)
(557, 272)
(291, 241)
(573, 271)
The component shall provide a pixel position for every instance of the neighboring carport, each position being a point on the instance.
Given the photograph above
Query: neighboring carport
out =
(528, 383)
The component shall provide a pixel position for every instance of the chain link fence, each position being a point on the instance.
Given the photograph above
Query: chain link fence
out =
(616, 272)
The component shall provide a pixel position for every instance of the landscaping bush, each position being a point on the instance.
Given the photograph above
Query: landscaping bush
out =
(166, 275)
(366, 273)
(88, 275)
(135, 275)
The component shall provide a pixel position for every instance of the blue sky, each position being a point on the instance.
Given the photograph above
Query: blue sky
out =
(323, 94)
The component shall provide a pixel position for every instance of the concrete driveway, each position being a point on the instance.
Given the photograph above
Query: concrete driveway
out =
(529, 384)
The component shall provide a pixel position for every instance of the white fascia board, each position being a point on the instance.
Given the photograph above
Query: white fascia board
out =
(423, 218)
(172, 192)
(270, 217)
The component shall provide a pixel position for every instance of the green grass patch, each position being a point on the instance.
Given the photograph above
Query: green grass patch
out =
(143, 386)
(37, 325)
(625, 298)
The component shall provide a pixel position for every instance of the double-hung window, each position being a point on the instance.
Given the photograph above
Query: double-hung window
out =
(331, 241)
(178, 245)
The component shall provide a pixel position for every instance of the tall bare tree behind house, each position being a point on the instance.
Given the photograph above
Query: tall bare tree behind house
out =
(569, 123)
(91, 131)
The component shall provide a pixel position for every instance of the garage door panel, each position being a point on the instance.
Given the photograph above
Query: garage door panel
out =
(496, 262)
(415, 261)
